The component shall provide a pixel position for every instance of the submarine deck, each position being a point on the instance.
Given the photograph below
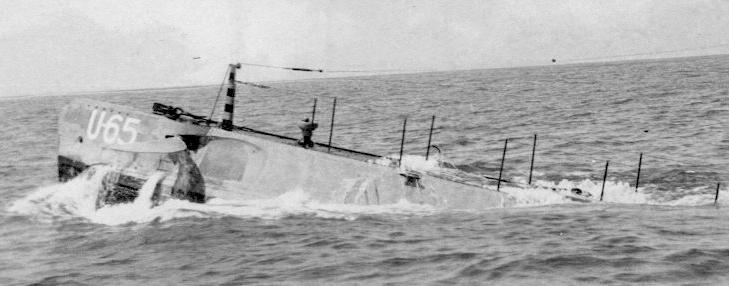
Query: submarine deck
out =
(319, 147)
(454, 175)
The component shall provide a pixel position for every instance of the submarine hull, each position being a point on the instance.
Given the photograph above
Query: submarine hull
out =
(240, 164)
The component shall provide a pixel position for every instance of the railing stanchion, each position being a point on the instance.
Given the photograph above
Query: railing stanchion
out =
(637, 178)
(604, 178)
(501, 169)
(531, 166)
(313, 111)
(331, 127)
(402, 141)
(430, 135)
(716, 197)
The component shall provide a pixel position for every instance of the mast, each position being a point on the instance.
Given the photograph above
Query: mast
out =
(227, 123)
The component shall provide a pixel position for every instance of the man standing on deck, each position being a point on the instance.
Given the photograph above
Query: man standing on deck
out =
(307, 129)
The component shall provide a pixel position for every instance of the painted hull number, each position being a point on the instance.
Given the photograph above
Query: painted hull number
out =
(114, 129)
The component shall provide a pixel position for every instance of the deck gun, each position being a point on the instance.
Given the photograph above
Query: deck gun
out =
(175, 113)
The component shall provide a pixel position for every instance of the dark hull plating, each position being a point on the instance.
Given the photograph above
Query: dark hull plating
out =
(116, 187)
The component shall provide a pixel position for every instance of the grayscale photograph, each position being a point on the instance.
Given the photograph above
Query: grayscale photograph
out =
(364, 142)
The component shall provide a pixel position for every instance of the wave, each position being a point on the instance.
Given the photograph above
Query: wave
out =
(77, 199)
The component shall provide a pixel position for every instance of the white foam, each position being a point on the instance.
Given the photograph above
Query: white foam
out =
(534, 196)
(140, 210)
(297, 202)
(74, 198)
(615, 192)
(542, 193)
(698, 196)
(418, 163)
(77, 199)
(412, 162)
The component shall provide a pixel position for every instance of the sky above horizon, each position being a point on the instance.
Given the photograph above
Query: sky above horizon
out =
(60, 47)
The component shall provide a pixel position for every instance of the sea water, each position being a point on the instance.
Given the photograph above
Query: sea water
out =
(668, 230)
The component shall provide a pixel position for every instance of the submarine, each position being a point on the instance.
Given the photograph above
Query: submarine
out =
(202, 159)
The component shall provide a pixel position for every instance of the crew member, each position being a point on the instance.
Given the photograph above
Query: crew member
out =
(307, 129)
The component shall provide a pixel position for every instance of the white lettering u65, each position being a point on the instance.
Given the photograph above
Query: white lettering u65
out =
(113, 128)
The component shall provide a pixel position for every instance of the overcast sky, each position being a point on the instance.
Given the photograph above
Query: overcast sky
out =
(72, 46)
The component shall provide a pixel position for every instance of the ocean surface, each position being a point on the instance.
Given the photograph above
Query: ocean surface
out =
(668, 231)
